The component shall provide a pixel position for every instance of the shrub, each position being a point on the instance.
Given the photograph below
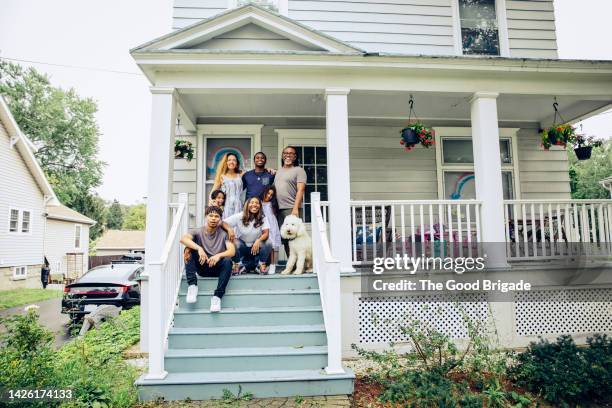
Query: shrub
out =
(91, 367)
(563, 373)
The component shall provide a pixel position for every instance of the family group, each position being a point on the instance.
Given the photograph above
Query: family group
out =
(242, 235)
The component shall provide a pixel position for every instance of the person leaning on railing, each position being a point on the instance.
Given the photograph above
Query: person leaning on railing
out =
(210, 254)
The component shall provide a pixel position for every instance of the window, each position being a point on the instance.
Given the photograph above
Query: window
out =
(20, 272)
(314, 161)
(457, 168)
(20, 221)
(77, 237)
(14, 220)
(25, 222)
(479, 28)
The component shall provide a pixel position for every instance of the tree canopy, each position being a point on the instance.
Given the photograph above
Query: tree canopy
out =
(585, 175)
(63, 128)
(135, 219)
(114, 219)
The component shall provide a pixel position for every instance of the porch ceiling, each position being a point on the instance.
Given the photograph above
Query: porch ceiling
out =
(434, 107)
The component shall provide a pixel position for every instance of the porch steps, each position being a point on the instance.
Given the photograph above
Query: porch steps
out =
(269, 340)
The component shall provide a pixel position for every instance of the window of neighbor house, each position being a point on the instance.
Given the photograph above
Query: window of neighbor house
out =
(479, 28)
(13, 220)
(458, 168)
(77, 237)
(20, 272)
(25, 222)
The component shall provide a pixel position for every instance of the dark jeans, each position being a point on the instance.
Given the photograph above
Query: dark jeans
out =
(248, 260)
(281, 218)
(222, 270)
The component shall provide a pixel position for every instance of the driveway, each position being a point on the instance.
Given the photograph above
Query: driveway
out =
(50, 317)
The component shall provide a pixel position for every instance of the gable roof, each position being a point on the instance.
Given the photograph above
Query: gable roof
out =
(63, 213)
(119, 239)
(230, 20)
(22, 144)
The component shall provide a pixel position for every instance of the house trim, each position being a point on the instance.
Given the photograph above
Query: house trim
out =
(214, 131)
(466, 133)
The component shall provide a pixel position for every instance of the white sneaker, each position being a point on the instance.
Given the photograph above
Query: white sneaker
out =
(192, 293)
(272, 269)
(215, 304)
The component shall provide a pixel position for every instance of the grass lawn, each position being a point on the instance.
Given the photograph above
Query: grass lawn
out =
(18, 297)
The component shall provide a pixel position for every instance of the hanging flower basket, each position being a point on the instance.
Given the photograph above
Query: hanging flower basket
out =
(417, 133)
(583, 146)
(183, 150)
(558, 135)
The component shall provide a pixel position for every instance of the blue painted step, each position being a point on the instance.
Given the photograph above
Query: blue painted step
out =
(273, 316)
(259, 282)
(251, 358)
(254, 336)
(255, 298)
(262, 384)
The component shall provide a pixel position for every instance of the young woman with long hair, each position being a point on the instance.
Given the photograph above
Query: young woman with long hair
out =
(252, 232)
(270, 210)
(228, 178)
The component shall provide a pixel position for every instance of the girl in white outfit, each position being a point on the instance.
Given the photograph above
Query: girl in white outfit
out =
(270, 209)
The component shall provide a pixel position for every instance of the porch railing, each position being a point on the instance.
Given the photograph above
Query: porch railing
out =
(327, 270)
(415, 228)
(546, 229)
(164, 283)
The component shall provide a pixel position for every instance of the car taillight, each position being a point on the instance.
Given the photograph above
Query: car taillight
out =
(111, 291)
(66, 289)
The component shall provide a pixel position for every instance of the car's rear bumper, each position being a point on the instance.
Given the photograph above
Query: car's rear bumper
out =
(77, 306)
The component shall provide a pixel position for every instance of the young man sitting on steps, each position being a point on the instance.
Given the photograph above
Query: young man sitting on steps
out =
(210, 254)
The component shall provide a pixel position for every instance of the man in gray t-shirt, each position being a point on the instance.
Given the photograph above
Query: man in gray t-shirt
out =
(290, 183)
(208, 252)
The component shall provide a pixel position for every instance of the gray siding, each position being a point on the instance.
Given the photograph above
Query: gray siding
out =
(186, 12)
(531, 28)
(543, 174)
(19, 190)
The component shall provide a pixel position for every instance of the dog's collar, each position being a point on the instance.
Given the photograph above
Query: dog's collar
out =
(290, 239)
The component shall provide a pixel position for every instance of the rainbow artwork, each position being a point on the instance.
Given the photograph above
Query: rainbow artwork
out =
(214, 156)
(462, 180)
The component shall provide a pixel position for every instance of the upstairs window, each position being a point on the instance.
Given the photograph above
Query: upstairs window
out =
(479, 28)
(268, 4)
(13, 220)
(25, 222)
(77, 237)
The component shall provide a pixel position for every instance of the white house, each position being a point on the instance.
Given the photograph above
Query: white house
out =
(33, 223)
(67, 241)
(335, 79)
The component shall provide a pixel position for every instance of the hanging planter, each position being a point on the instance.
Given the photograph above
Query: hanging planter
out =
(183, 150)
(560, 133)
(583, 146)
(416, 133)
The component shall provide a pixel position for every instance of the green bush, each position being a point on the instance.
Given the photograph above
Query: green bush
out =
(92, 366)
(563, 373)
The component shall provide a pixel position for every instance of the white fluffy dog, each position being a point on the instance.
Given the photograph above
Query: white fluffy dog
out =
(300, 246)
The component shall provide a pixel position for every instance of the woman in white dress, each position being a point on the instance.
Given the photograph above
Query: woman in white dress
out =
(228, 179)
(270, 210)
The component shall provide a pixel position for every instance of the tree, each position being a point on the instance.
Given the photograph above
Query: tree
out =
(63, 128)
(114, 219)
(94, 207)
(135, 219)
(585, 175)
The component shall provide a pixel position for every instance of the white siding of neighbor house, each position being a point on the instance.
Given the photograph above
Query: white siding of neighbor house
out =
(398, 26)
(18, 189)
(531, 28)
(382, 170)
(59, 240)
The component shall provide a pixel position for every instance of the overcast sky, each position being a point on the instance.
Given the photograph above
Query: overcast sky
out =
(99, 33)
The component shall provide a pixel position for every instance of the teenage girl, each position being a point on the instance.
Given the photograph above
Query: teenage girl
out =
(270, 209)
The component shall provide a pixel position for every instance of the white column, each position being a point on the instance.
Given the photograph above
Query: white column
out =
(160, 177)
(487, 169)
(338, 176)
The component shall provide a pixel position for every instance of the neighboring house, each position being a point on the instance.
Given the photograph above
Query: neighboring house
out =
(117, 242)
(24, 194)
(67, 241)
(335, 79)
(33, 223)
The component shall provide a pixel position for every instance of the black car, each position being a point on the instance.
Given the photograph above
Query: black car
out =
(113, 284)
